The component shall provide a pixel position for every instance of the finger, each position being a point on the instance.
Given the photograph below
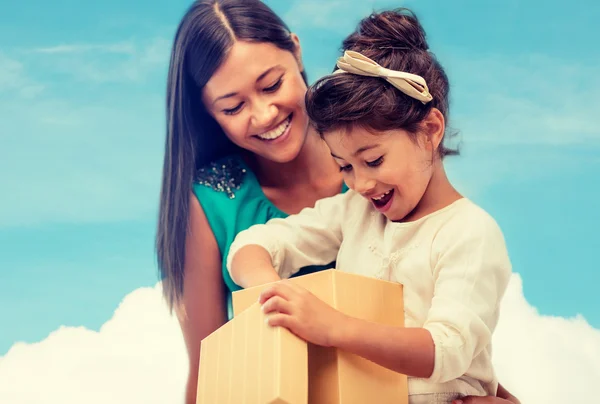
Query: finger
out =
(280, 320)
(276, 289)
(479, 400)
(505, 394)
(277, 304)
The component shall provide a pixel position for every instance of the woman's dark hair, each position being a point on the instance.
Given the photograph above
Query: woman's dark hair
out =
(395, 40)
(203, 39)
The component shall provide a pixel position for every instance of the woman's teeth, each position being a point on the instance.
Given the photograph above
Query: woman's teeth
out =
(278, 131)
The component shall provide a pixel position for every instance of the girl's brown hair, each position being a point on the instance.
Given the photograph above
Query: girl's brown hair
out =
(395, 40)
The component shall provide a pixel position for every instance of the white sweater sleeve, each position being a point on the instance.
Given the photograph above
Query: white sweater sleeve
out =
(311, 237)
(471, 270)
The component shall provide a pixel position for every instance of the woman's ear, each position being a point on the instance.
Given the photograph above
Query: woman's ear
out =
(297, 51)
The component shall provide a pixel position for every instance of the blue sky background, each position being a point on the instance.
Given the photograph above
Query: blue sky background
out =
(82, 131)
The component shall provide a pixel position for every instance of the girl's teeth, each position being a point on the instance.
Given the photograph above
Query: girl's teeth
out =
(275, 133)
(381, 196)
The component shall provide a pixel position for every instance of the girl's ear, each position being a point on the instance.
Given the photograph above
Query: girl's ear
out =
(297, 51)
(433, 127)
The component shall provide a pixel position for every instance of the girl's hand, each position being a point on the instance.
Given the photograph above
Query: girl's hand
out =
(301, 312)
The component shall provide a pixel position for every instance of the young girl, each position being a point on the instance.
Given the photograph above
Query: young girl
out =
(383, 115)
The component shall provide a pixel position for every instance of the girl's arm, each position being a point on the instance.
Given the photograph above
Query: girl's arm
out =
(202, 309)
(409, 351)
(252, 266)
(471, 272)
(405, 350)
(279, 248)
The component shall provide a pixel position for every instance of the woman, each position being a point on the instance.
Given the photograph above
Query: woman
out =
(238, 152)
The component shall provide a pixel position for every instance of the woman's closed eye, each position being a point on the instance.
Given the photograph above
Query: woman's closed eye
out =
(271, 89)
(274, 87)
(234, 110)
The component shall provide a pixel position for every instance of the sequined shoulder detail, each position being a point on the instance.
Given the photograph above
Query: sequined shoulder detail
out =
(223, 176)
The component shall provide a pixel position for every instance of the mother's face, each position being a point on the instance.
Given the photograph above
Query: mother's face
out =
(257, 96)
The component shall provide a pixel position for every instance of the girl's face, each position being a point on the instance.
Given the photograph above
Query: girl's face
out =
(257, 96)
(388, 168)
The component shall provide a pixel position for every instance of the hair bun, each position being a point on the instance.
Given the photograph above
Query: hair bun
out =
(398, 29)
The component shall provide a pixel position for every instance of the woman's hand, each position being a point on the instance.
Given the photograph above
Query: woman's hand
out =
(483, 400)
(295, 308)
(503, 397)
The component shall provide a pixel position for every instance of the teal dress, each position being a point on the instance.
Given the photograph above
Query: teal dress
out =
(233, 201)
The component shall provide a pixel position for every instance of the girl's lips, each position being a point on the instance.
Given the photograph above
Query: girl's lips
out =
(384, 203)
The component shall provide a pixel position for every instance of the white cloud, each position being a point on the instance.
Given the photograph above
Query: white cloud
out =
(519, 119)
(544, 359)
(524, 99)
(138, 356)
(11, 71)
(120, 47)
(14, 79)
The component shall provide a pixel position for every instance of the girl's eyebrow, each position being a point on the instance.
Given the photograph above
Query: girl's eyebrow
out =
(365, 148)
(360, 150)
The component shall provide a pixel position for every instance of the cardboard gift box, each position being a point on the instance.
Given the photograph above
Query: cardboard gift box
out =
(247, 361)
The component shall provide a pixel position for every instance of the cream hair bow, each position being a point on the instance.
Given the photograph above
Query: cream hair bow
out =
(410, 84)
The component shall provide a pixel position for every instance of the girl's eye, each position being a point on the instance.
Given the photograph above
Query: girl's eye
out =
(234, 110)
(346, 168)
(376, 162)
(274, 87)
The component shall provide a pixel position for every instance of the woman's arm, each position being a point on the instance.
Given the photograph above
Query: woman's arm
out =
(202, 309)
